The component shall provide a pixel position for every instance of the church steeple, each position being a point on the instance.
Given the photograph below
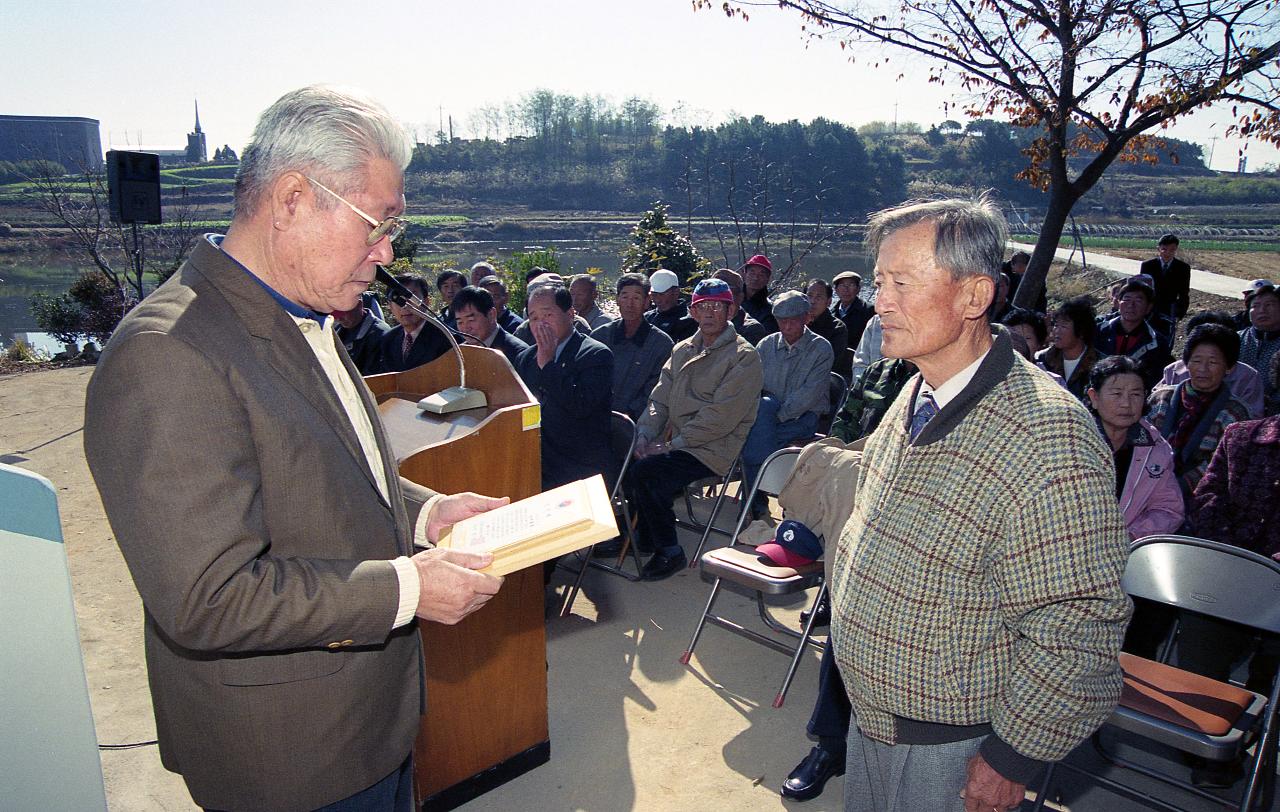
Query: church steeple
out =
(197, 101)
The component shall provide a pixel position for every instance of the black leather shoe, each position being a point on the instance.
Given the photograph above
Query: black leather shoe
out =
(663, 566)
(823, 618)
(809, 777)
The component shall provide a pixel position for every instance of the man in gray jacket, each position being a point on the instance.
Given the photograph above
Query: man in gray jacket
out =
(796, 363)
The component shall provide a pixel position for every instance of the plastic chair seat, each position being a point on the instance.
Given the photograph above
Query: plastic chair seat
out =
(1187, 711)
(748, 568)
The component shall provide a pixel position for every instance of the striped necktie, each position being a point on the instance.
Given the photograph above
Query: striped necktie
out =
(408, 345)
(923, 413)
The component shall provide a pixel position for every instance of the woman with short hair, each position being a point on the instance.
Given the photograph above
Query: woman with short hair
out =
(1193, 414)
(1146, 484)
(1072, 328)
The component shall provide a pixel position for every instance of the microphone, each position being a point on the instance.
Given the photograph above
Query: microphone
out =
(455, 398)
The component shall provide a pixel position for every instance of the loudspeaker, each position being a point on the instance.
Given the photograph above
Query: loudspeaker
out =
(133, 186)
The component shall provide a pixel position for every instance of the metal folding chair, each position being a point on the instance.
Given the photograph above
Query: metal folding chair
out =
(722, 493)
(837, 391)
(743, 566)
(1214, 720)
(622, 439)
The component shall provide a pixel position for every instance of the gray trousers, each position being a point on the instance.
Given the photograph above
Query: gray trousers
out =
(905, 777)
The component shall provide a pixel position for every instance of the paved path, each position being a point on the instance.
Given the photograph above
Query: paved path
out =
(1203, 281)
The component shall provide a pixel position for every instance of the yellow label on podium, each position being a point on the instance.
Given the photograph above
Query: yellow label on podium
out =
(531, 417)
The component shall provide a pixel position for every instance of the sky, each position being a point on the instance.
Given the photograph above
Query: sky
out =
(137, 68)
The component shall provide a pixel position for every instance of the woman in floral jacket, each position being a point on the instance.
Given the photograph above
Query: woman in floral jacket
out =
(1193, 414)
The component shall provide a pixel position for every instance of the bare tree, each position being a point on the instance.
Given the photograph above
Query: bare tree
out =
(79, 206)
(1094, 78)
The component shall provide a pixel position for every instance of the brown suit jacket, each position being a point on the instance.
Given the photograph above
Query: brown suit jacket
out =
(257, 538)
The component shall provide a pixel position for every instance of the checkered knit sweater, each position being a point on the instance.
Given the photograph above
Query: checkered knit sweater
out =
(977, 582)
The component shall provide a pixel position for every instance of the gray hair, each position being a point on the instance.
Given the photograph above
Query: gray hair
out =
(332, 133)
(969, 235)
(584, 277)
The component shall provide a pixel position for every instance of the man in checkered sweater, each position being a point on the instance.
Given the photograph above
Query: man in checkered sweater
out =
(977, 608)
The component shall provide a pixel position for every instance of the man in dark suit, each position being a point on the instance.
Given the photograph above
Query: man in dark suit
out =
(477, 317)
(361, 333)
(412, 342)
(572, 377)
(252, 490)
(1172, 278)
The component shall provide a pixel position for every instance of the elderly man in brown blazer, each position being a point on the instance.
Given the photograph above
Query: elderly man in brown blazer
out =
(249, 483)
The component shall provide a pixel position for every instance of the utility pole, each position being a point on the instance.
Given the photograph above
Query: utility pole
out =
(1213, 144)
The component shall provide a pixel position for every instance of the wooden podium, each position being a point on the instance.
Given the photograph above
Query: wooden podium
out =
(486, 720)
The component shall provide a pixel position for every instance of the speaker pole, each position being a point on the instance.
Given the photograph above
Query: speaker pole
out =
(137, 260)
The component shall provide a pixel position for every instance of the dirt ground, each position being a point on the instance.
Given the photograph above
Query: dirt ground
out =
(618, 695)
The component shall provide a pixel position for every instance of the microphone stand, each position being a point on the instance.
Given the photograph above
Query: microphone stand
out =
(455, 398)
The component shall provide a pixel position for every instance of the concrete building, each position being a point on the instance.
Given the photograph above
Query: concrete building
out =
(71, 141)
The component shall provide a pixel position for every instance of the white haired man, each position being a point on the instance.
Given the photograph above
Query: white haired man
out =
(251, 488)
(977, 612)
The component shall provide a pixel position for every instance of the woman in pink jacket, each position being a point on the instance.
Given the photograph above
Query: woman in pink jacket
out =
(1146, 484)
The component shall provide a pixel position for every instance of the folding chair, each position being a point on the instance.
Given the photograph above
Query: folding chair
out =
(837, 391)
(1214, 720)
(622, 440)
(743, 566)
(722, 493)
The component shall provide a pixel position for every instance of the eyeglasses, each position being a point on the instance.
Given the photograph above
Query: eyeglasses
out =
(711, 307)
(391, 228)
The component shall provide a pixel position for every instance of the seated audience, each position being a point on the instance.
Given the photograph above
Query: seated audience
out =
(1193, 414)
(412, 342)
(1146, 484)
(477, 319)
(1261, 339)
(870, 397)
(361, 332)
(796, 364)
(1070, 354)
(1130, 333)
(449, 282)
(849, 306)
(639, 349)
(1113, 299)
(824, 323)
(545, 278)
(482, 271)
(696, 422)
(1245, 381)
(572, 376)
(1030, 325)
(756, 274)
(1015, 267)
(868, 351)
(1241, 318)
(669, 314)
(747, 327)
(583, 290)
(1001, 305)
(507, 319)
(1234, 503)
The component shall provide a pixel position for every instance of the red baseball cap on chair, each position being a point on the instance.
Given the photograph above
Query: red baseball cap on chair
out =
(762, 261)
(795, 545)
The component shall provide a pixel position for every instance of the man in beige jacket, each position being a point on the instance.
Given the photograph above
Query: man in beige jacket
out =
(697, 420)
